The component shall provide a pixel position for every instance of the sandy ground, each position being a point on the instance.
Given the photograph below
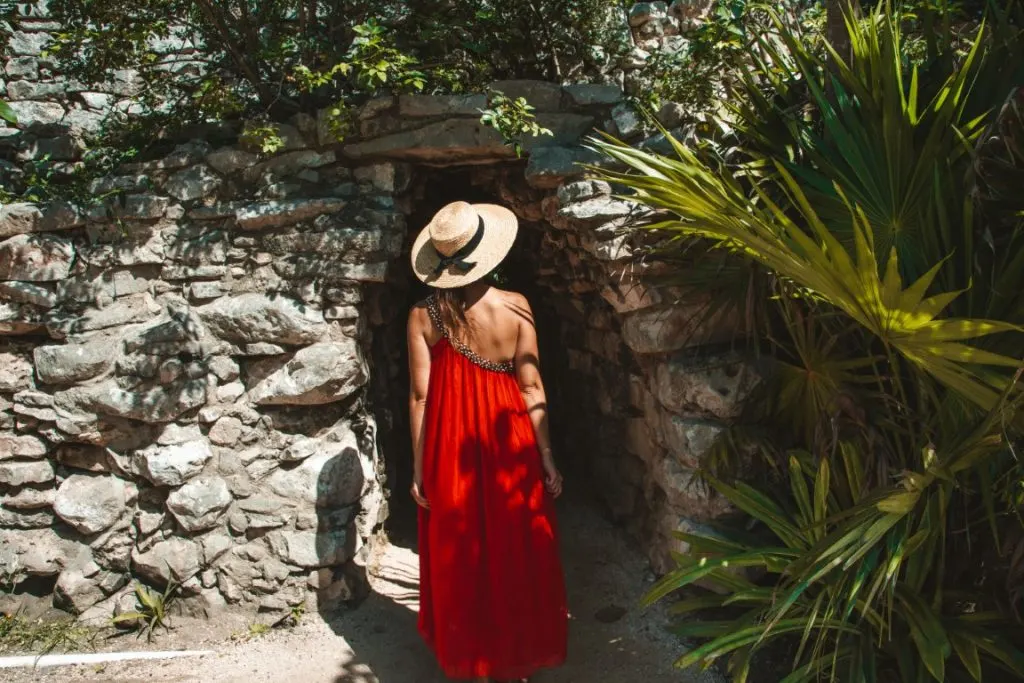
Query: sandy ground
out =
(611, 640)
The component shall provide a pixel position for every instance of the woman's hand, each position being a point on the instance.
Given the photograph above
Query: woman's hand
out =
(552, 477)
(417, 494)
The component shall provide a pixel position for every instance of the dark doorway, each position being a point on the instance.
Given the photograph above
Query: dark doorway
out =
(519, 273)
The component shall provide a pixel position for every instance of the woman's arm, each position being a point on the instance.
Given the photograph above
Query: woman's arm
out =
(419, 380)
(532, 388)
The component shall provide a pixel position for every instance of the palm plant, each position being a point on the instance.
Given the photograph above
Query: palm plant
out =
(871, 201)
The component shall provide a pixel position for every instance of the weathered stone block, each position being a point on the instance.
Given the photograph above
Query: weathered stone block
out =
(199, 504)
(22, 473)
(321, 373)
(90, 504)
(175, 559)
(174, 464)
(276, 214)
(32, 114)
(255, 318)
(21, 446)
(699, 387)
(541, 95)
(229, 160)
(35, 258)
(192, 184)
(591, 94)
(309, 549)
(323, 480)
(28, 293)
(71, 363)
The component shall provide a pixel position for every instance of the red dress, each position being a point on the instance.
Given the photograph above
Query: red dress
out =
(492, 593)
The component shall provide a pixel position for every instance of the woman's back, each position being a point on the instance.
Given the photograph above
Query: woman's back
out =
(493, 324)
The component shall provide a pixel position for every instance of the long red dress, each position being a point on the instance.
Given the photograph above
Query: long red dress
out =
(492, 593)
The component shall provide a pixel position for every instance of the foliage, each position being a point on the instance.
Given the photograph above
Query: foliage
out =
(513, 119)
(20, 634)
(151, 610)
(861, 194)
(7, 114)
(203, 59)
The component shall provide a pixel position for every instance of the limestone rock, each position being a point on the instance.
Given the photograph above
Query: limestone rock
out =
(309, 549)
(22, 473)
(441, 105)
(453, 141)
(146, 403)
(32, 114)
(713, 387)
(193, 183)
(130, 309)
(276, 214)
(326, 481)
(663, 329)
(550, 166)
(19, 219)
(71, 363)
(199, 504)
(229, 160)
(29, 499)
(77, 587)
(541, 95)
(25, 519)
(226, 431)
(688, 440)
(39, 552)
(600, 208)
(175, 559)
(90, 504)
(21, 446)
(28, 293)
(175, 464)
(258, 318)
(35, 258)
(174, 434)
(317, 374)
(590, 94)
(627, 121)
(15, 372)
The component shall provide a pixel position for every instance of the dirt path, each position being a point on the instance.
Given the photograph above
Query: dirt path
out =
(610, 641)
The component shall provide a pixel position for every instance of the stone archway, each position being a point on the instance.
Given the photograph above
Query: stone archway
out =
(649, 389)
(191, 379)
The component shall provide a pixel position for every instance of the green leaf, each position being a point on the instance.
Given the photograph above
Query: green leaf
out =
(7, 113)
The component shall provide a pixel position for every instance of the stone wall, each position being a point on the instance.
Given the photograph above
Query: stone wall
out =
(183, 385)
(191, 371)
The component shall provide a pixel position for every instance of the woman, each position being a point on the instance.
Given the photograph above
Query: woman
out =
(492, 597)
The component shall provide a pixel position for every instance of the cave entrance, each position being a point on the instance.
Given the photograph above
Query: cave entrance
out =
(574, 411)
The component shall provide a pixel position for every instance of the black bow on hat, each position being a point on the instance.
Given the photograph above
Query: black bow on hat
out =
(458, 259)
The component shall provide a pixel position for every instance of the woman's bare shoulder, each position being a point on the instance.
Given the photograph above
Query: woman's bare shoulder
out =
(418, 312)
(516, 304)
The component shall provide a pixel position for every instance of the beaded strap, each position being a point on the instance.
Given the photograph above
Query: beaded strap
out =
(507, 366)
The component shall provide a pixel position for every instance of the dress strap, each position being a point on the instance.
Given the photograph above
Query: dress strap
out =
(434, 311)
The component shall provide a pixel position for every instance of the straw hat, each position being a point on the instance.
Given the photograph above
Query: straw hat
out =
(462, 243)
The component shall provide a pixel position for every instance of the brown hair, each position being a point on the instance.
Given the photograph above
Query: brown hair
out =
(451, 303)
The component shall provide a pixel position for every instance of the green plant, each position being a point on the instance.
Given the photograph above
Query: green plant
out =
(151, 610)
(7, 114)
(263, 136)
(856, 195)
(512, 118)
(21, 634)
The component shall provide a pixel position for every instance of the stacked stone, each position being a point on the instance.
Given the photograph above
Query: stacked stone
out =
(183, 377)
(660, 388)
(445, 130)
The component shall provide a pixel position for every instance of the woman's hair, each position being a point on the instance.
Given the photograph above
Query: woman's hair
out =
(451, 303)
